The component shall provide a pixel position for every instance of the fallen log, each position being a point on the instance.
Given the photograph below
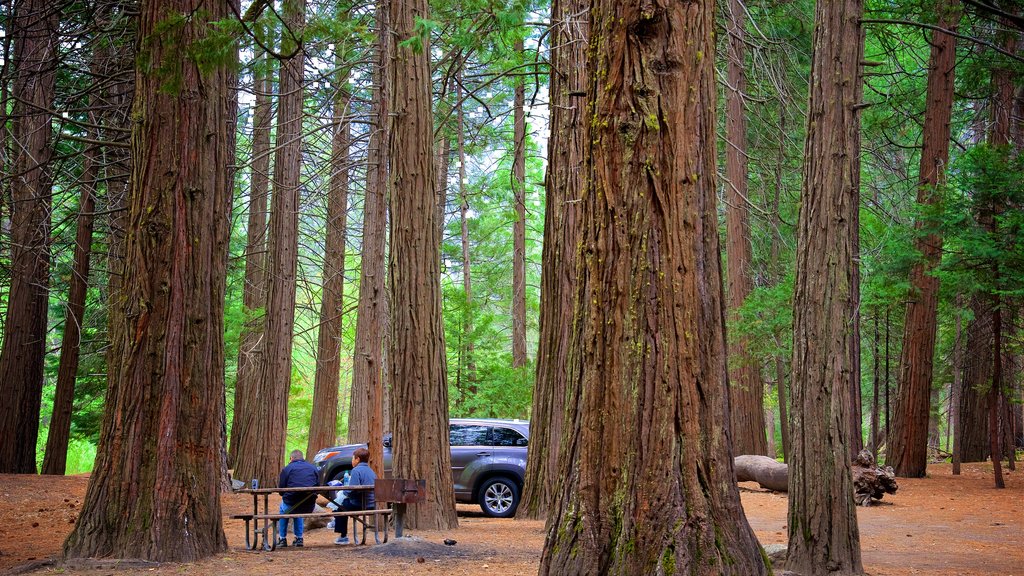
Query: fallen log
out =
(768, 472)
(870, 482)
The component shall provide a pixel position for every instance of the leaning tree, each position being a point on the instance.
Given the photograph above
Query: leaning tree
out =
(154, 491)
(648, 480)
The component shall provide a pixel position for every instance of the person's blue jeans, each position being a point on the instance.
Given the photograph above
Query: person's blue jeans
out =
(282, 524)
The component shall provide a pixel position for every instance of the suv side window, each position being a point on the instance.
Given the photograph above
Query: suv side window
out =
(468, 435)
(507, 437)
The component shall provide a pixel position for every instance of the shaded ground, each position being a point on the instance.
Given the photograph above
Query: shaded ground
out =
(940, 525)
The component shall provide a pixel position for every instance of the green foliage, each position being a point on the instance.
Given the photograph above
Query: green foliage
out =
(983, 224)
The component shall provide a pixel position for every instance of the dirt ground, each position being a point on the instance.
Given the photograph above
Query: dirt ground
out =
(941, 525)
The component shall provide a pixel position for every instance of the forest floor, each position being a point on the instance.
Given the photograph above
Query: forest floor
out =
(940, 525)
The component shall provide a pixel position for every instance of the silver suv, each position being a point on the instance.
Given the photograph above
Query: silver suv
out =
(488, 462)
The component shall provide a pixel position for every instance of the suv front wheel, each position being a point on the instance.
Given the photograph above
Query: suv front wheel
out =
(499, 497)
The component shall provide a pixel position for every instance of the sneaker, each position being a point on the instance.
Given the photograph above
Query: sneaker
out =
(297, 542)
(281, 543)
(331, 523)
(341, 540)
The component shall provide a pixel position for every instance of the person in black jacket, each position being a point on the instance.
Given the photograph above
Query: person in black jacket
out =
(298, 473)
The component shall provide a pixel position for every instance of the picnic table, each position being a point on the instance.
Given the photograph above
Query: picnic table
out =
(264, 531)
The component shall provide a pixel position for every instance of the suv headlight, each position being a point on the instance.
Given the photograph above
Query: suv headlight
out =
(321, 456)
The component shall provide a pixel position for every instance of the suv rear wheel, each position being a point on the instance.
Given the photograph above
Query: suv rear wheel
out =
(499, 497)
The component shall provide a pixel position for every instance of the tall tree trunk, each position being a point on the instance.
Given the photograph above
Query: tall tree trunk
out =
(117, 159)
(417, 363)
(648, 336)
(323, 425)
(262, 446)
(777, 275)
(908, 449)
(564, 183)
(823, 534)
(55, 460)
(251, 346)
(467, 272)
(746, 391)
(519, 228)
(971, 429)
(956, 389)
(874, 394)
(34, 30)
(995, 393)
(368, 420)
(154, 492)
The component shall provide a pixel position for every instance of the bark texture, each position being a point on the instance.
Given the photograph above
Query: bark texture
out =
(746, 390)
(519, 228)
(262, 446)
(564, 183)
(154, 492)
(648, 480)
(908, 447)
(254, 293)
(34, 30)
(970, 437)
(367, 409)
(823, 534)
(417, 362)
(323, 425)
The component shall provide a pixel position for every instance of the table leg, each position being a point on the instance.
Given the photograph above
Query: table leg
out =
(399, 519)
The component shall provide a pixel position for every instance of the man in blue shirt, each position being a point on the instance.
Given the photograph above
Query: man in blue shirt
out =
(298, 473)
(362, 475)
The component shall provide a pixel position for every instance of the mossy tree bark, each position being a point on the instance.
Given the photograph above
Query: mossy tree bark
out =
(907, 452)
(823, 534)
(563, 186)
(417, 351)
(34, 30)
(648, 477)
(154, 491)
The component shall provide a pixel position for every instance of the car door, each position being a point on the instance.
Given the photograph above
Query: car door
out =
(508, 448)
(469, 444)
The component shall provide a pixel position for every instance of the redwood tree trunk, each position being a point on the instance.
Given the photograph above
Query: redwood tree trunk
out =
(467, 264)
(261, 447)
(154, 492)
(746, 390)
(970, 442)
(323, 425)
(55, 460)
(563, 187)
(519, 228)
(417, 361)
(823, 534)
(907, 452)
(34, 30)
(647, 466)
(368, 423)
(254, 292)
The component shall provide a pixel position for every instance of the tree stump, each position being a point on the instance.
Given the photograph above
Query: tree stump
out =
(870, 482)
